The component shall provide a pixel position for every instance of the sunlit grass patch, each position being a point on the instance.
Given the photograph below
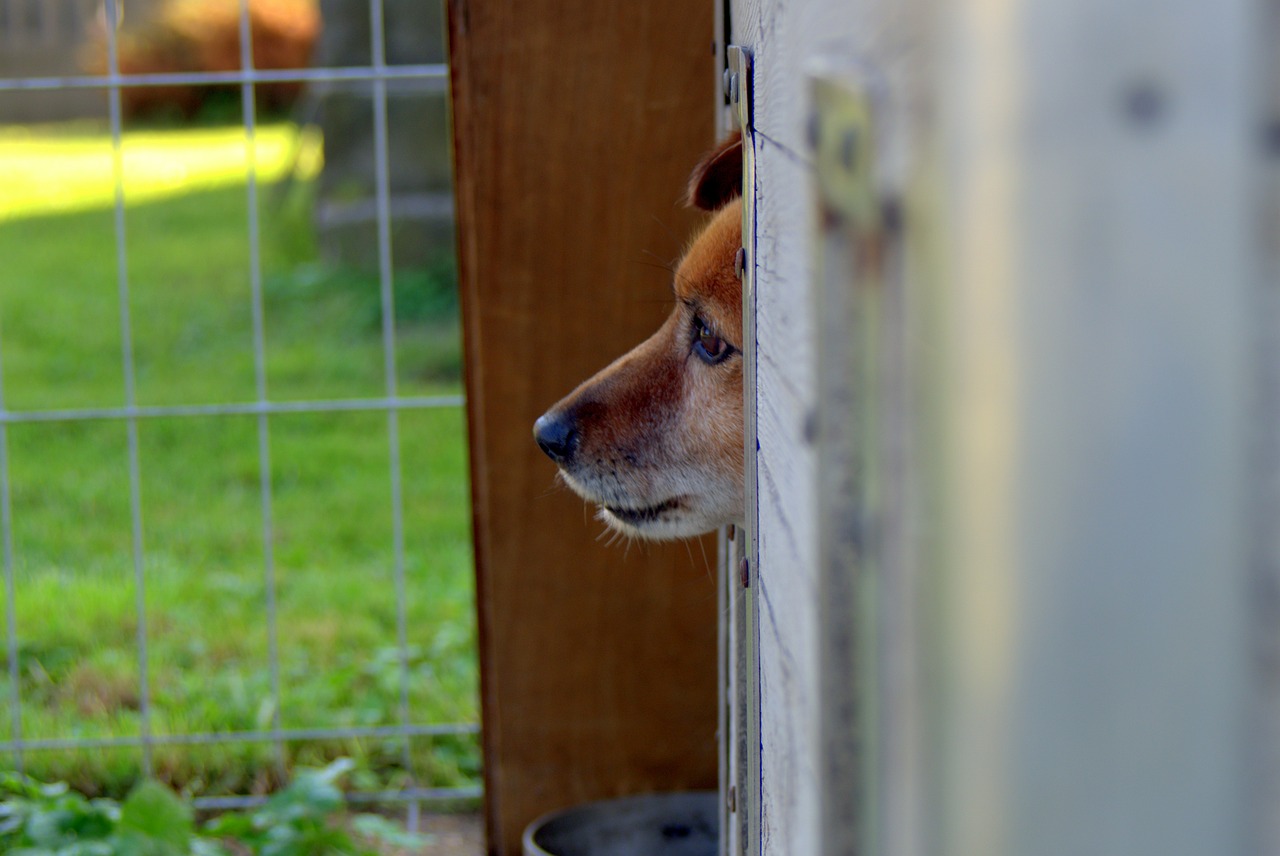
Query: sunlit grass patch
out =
(51, 169)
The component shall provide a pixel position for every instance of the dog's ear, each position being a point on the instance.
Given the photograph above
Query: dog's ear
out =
(718, 177)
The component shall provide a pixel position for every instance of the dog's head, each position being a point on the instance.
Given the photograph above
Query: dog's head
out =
(655, 439)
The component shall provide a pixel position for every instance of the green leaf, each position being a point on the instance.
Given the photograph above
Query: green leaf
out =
(230, 825)
(56, 789)
(133, 843)
(311, 797)
(70, 818)
(12, 819)
(17, 784)
(336, 770)
(93, 848)
(378, 828)
(205, 847)
(154, 812)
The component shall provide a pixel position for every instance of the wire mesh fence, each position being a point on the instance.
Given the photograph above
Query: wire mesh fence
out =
(261, 409)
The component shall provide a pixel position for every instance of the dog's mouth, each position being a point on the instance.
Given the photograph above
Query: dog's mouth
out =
(640, 516)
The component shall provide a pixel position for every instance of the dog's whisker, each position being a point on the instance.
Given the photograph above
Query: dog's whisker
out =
(669, 264)
(557, 486)
(672, 232)
(684, 280)
(706, 563)
(658, 265)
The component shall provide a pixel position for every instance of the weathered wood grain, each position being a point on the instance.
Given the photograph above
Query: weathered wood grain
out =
(576, 124)
(1266, 583)
(1093, 389)
(1083, 192)
(783, 37)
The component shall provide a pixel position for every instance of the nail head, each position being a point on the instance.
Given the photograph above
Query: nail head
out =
(1145, 103)
(849, 149)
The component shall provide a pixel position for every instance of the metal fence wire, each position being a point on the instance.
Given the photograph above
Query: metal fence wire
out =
(432, 77)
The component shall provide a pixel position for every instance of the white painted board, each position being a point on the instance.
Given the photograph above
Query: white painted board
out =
(1089, 193)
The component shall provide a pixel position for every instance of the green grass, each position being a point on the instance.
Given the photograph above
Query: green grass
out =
(202, 537)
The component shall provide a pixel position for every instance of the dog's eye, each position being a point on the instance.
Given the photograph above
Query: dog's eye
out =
(707, 345)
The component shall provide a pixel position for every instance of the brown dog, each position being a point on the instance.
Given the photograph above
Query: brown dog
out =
(655, 439)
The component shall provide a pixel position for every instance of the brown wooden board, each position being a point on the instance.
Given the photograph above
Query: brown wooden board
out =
(576, 124)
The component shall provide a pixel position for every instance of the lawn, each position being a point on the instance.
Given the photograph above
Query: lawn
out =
(190, 307)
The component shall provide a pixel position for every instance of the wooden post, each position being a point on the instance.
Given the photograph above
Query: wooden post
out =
(576, 124)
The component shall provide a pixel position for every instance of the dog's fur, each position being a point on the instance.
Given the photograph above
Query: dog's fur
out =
(655, 439)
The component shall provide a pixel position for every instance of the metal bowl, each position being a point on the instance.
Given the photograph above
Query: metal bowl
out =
(674, 824)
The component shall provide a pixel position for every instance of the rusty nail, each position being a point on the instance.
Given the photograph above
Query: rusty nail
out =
(740, 261)
(744, 572)
(733, 798)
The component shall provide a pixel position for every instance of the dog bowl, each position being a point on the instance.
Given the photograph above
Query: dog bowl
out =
(675, 824)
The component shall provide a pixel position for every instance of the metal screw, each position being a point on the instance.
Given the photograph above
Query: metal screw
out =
(724, 80)
(734, 93)
(740, 261)
(744, 572)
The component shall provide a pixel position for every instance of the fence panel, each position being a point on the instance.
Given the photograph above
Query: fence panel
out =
(135, 414)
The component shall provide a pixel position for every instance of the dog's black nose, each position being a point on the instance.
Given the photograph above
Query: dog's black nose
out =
(557, 435)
